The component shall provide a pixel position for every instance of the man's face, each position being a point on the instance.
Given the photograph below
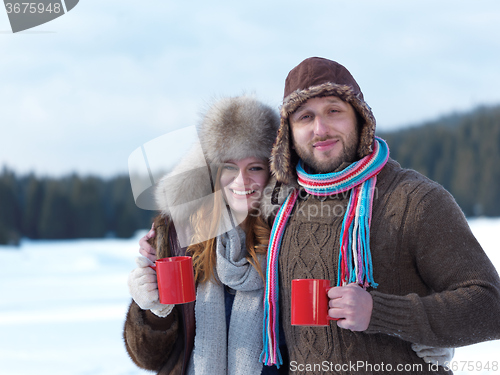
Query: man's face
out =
(325, 133)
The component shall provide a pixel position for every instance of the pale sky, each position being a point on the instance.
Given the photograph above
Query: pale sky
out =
(81, 93)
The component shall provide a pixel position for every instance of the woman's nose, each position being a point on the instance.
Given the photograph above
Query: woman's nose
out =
(242, 178)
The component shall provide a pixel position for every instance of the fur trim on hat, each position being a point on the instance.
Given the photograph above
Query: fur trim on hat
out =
(232, 129)
(283, 157)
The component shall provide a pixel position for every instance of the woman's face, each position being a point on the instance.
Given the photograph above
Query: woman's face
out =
(243, 182)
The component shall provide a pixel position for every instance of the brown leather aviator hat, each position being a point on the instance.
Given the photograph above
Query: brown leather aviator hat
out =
(317, 77)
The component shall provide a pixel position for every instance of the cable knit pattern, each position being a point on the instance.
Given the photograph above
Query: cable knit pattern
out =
(436, 285)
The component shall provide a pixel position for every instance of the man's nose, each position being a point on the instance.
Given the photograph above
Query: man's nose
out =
(320, 127)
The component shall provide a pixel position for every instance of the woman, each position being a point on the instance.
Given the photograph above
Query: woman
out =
(227, 240)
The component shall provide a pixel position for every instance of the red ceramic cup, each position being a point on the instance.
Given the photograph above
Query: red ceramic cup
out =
(175, 276)
(310, 302)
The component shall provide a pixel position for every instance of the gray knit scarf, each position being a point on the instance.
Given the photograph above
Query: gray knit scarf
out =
(215, 352)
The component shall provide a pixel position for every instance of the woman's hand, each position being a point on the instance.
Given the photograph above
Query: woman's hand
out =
(143, 288)
(145, 249)
(437, 356)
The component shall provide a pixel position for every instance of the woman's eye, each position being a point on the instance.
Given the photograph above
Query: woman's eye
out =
(256, 169)
(229, 167)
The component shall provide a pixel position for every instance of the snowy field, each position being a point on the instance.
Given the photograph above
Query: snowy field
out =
(63, 303)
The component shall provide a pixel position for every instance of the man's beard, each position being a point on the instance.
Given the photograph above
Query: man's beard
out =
(347, 155)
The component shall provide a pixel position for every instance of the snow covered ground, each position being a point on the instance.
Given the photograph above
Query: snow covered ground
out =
(63, 303)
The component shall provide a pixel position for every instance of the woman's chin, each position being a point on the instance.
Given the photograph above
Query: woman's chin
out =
(240, 210)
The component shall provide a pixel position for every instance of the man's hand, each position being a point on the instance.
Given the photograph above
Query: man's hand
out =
(352, 305)
(145, 248)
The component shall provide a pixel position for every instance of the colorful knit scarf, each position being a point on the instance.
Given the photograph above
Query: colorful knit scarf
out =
(355, 261)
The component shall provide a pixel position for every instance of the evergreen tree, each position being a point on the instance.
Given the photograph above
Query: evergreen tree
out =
(33, 206)
(125, 216)
(10, 218)
(87, 205)
(461, 152)
(56, 219)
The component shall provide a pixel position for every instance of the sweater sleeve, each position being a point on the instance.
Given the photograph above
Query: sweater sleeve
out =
(152, 341)
(464, 303)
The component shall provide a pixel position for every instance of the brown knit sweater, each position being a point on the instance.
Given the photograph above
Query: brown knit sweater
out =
(436, 285)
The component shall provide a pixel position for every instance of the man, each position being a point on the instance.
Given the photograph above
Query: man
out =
(406, 266)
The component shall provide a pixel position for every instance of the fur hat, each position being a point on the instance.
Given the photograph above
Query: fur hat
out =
(238, 128)
(233, 128)
(317, 77)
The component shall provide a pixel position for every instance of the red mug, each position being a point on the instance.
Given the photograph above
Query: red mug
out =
(175, 276)
(310, 302)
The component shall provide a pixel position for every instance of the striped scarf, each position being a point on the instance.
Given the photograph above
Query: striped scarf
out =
(355, 261)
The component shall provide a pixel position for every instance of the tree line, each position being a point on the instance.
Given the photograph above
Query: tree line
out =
(67, 207)
(460, 151)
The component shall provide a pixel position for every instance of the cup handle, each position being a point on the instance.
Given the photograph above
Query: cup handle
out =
(153, 266)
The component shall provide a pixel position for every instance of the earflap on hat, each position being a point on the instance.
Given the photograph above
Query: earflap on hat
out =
(281, 155)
